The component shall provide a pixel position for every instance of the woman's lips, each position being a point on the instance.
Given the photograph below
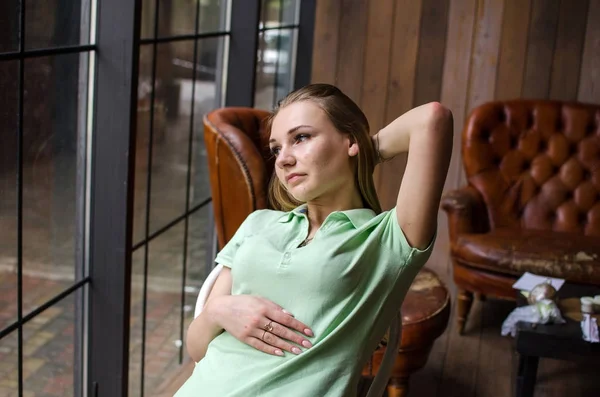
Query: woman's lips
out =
(291, 178)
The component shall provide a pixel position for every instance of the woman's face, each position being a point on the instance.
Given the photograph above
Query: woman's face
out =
(312, 158)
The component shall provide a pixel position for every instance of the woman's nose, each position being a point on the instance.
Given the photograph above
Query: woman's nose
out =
(285, 158)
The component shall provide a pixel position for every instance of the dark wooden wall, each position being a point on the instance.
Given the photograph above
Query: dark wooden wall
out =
(392, 55)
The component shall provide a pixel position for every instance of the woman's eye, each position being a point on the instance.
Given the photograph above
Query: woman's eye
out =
(274, 151)
(301, 137)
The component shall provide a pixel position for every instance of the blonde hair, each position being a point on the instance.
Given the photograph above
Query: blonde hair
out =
(347, 118)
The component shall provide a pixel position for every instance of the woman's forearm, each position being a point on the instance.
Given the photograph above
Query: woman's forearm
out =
(201, 332)
(395, 138)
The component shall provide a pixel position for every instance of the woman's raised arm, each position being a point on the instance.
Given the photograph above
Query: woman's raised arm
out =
(426, 132)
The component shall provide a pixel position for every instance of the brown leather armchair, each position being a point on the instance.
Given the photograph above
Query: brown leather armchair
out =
(532, 203)
(240, 167)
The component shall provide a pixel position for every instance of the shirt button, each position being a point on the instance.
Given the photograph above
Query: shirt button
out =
(286, 255)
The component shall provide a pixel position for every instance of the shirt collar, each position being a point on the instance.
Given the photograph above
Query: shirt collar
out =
(358, 216)
(298, 211)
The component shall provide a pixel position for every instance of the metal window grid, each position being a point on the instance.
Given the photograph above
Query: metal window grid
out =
(110, 210)
(21, 55)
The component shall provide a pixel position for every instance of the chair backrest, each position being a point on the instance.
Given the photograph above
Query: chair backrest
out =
(239, 164)
(536, 164)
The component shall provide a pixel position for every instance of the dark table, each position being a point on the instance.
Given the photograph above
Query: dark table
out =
(559, 341)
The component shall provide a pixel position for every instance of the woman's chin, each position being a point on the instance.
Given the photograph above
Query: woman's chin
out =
(301, 198)
(300, 195)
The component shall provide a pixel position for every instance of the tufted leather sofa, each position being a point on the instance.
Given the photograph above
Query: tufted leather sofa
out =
(532, 203)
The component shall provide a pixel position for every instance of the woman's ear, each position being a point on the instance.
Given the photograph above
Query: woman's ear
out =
(353, 148)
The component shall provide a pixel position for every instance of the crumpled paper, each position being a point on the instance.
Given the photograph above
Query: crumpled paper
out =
(589, 328)
(542, 312)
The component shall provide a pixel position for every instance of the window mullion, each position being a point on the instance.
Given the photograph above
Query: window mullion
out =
(305, 43)
(243, 45)
(111, 195)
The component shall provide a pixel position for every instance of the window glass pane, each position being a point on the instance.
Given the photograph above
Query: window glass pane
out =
(199, 261)
(50, 340)
(172, 114)
(208, 97)
(171, 123)
(213, 16)
(147, 25)
(8, 187)
(266, 66)
(274, 67)
(290, 13)
(163, 309)
(57, 23)
(135, 322)
(286, 63)
(279, 12)
(179, 17)
(9, 381)
(51, 353)
(176, 17)
(141, 149)
(8, 299)
(9, 25)
(54, 143)
(39, 290)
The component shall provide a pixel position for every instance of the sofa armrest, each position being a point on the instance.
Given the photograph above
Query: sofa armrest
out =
(466, 212)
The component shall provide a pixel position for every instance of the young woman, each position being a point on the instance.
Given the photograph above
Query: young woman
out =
(308, 290)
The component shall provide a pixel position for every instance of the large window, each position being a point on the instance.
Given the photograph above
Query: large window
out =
(105, 209)
(45, 51)
(180, 78)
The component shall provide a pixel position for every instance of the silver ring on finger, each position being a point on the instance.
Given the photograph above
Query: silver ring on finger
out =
(263, 336)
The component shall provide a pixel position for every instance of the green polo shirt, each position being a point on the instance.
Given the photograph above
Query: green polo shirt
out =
(345, 285)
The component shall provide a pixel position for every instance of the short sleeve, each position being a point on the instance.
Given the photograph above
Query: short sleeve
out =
(227, 254)
(394, 239)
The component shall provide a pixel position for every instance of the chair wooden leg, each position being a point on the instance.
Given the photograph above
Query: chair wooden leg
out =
(465, 300)
(397, 387)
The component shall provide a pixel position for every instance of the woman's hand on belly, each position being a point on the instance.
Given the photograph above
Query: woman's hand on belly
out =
(260, 323)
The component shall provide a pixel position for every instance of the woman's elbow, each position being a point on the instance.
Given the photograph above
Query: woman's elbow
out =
(193, 346)
(441, 123)
(195, 353)
(440, 117)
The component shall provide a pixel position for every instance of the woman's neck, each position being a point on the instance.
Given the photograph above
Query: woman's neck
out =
(319, 209)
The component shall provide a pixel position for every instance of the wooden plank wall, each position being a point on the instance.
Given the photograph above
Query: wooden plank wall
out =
(392, 55)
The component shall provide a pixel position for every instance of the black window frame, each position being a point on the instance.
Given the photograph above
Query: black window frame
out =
(103, 285)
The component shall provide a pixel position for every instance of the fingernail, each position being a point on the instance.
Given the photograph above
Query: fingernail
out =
(296, 350)
(279, 352)
(308, 332)
(306, 343)
(286, 312)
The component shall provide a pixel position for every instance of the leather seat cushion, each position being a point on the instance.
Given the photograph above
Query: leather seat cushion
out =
(425, 311)
(571, 256)
(426, 298)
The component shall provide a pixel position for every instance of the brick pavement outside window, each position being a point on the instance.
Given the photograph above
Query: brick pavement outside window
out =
(48, 348)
